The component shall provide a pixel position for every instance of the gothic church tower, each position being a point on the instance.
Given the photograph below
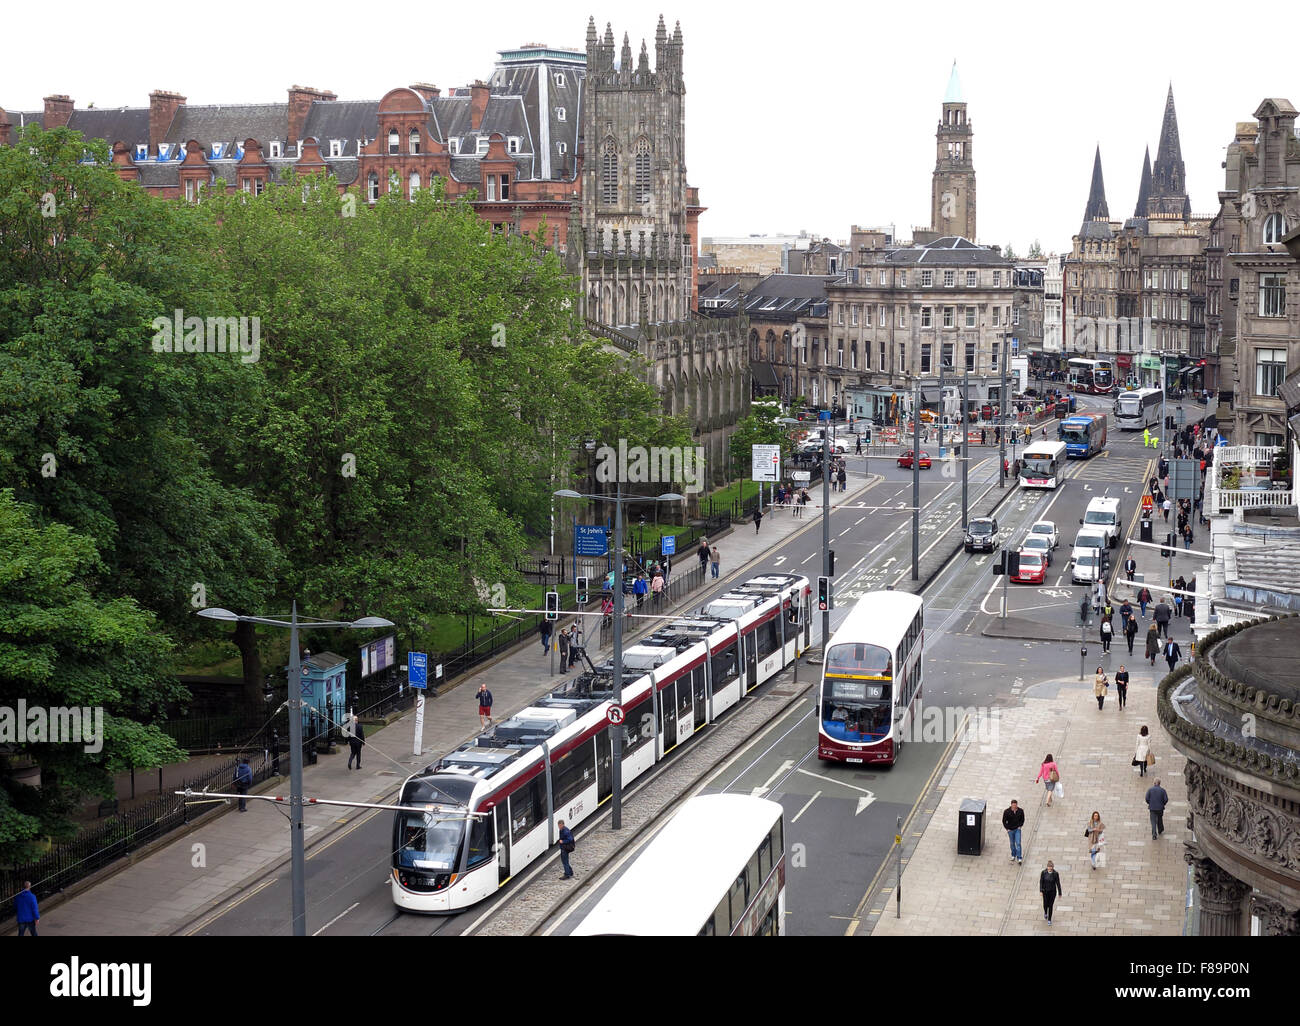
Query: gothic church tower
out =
(952, 203)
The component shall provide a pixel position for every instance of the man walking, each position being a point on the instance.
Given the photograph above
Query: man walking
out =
(1130, 632)
(356, 739)
(566, 846)
(484, 709)
(1144, 596)
(703, 553)
(1049, 886)
(1172, 654)
(545, 631)
(758, 519)
(1157, 799)
(1121, 680)
(26, 910)
(1130, 567)
(1161, 615)
(243, 778)
(1013, 819)
(715, 559)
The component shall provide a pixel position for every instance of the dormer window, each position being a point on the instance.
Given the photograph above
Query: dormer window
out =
(276, 149)
(393, 140)
(453, 146)
(1274, 229)
(142, 151)
(559, 78)
(218, 150)
(561, 114)
(415, 140)
(512, 144)
(336, 147)
(481, 146)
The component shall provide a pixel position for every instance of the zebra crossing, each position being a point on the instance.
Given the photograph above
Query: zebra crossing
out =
(1110, 468)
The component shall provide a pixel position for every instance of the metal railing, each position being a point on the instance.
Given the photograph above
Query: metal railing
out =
(1246, 461)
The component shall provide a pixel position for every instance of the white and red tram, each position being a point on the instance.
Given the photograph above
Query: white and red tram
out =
(493, 804)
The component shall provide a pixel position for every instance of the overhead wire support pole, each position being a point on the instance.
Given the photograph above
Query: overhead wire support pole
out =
(916, 484)
(826, 530)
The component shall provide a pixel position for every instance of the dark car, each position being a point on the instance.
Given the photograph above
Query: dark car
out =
(982, 535)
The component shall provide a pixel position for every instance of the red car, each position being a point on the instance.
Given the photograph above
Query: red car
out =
(905, 460)
(1033, 568)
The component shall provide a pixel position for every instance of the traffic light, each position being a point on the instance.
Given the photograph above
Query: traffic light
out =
(832, 561)
(1013, 562)
(552, 605)
(823, 594)
(1000, 564)
(582, 591)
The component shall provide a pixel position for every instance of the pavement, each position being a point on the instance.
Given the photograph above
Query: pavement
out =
(1142, 890)
(171, 886)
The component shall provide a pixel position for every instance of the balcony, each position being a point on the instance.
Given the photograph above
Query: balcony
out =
(1242, 477)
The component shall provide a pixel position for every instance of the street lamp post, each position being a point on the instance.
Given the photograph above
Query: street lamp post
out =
(916, 484)
(298, 862)
(618, 500)
(965, 436)
(1002, 417)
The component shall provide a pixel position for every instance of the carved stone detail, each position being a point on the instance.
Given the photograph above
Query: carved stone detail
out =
(1279, 921)
(1261, 829)
(1221, 897)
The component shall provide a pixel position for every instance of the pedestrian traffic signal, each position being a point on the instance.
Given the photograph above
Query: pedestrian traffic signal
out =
(1000, 565)
(582, 591)
(552, 605)
(1013, 562)
(832, 562)
(823, 594)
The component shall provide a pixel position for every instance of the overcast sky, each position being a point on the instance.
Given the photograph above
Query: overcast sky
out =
(814, 121)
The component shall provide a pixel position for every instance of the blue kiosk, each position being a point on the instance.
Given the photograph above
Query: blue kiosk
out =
(324, 688)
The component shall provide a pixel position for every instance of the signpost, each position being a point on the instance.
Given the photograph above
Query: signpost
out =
(418, 677)
(615, 715)
(765, 461)
(668, 545)
(589, 540)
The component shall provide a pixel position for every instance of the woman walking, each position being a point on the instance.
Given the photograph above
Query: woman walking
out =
(1144, 596)
(1153, 642)
(1143, 751)
(1130, 632)
(1095, 831)
(1049, 886)
(1099, 688)
(1050, 774)
(1121, 683)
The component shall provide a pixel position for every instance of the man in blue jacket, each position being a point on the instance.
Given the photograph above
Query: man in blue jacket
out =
(28, 913)
(566, 845)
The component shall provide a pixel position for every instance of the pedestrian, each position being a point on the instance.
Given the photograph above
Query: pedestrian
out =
(1106, 633)
(27, 911)
(484, 706)
(640, 587)
(1167, 506)
(858, 449)
(715, 558)
(1157, 799)
(545, 631)
(1099, 596)
(703, 553)
(984, 436)
(564, 649)
(1161, 615)
(576, 641)
(1121, 685)
(1153, 642)
(567, 844)
(1013, 819)
(1178, 604)
(1189, 607)
(607, 609)
(657, 588)
(758, 518)
(1049, 886)
(1146, 437)
(844, 480)
(1142, 752)
(1050, 774)
(356, 739)
(1125, 614)
(1188, 537)
(1130, 632)
(1172, 654)
(1144, 596)
(997, 435)
(243, 779)
(1130, 567)
(1101, 684)
(1108, 612)
(1095, 831)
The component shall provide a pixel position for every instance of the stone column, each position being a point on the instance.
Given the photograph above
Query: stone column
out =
(1279, 921)
(1221, 897)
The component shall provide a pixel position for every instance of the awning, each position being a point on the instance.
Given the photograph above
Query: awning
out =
(1123, 360)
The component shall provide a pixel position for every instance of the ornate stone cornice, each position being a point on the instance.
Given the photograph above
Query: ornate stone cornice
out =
(1246, 819)
(1279, 921)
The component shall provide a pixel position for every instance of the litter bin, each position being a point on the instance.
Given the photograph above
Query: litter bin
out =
(1144, 530)
(970, 826)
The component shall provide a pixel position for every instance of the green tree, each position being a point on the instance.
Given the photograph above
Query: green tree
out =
(1035, 251)
(761, 427)
(1009, 253)
(63, 645)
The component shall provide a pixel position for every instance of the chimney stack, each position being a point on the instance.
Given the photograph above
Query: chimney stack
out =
(300, 101)
(162, 109)
(5, 126)
(478, 101)
(58, 111)
(429, 92)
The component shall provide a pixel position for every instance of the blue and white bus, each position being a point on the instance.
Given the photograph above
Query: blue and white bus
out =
(1084, 434)
(1138, 408)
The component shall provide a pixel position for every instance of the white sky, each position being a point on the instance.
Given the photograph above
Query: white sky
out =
(814, 116)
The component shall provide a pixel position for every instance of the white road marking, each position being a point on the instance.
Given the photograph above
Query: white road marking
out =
(805, 808)
(841, 783)
(336, 919)
(808, 557)
(858, 521)
(778, 561)
(759, 791)
(863, 803)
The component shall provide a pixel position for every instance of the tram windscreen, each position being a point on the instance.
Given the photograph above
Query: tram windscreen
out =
(856, 710)
(428, 843)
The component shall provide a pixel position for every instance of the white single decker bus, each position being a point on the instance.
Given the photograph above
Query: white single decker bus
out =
(735, 887)
(1138, 408)
(1043, 465)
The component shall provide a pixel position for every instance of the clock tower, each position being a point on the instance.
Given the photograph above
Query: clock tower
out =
(952, 204)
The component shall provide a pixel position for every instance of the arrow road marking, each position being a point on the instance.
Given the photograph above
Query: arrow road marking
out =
(831, 780)
(862, 804)
(760, 791)
(779, 561)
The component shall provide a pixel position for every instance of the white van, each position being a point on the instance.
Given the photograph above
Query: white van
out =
(1088, 558)
(1103, 514)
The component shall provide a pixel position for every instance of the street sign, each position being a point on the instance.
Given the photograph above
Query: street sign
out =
(668, 545)
(766, 462)
(1184, 479)
(417, 669)
(615, 714)
(589, 540)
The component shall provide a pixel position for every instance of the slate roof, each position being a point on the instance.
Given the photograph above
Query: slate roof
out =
(346, 120)
(124, 124)
(783, 297)
(948, 251)
(229, 124)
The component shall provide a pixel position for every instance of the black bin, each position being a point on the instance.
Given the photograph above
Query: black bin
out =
(1144, 529)
(970, 826)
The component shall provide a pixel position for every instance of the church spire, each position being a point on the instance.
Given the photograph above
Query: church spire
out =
(1144, 186)
(1096, 209)
(1168, 176)
(953, 95)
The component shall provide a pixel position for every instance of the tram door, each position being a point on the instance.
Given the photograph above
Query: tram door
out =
(751, 660)
(701, 698)
(668, 718)
(503, 841)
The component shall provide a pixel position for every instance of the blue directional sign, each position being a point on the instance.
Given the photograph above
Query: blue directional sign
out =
(589, 540)
(823, 414)
(669, 545)
(417, 664)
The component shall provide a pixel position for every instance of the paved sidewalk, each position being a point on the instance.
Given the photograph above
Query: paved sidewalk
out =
(167, 890)
(1142, 889)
